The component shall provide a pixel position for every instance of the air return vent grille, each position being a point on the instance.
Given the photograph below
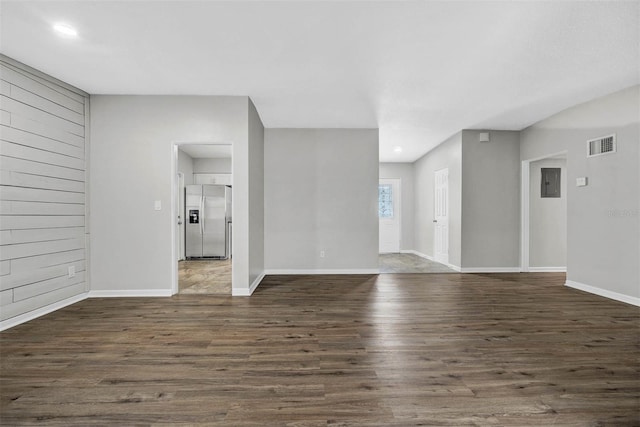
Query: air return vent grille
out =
(602, 145)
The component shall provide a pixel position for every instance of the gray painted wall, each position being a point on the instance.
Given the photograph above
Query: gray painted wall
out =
(491, 200)
(403, 171)
(547, 218)
(211, 165)
(185, 165)
(256, 195)
(321, 194)
(603, 230)
(446, 155)
(132, 143)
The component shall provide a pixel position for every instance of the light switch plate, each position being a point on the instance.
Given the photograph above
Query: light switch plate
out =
(581, 182)
(158, 205)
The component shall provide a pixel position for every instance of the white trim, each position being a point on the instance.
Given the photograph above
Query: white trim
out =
(310, 271)
(603, 293)
(453, 267)
(547, 269)
(130, 293)
(247, 292)
(490, 270)
(525, 179)
(22, 318)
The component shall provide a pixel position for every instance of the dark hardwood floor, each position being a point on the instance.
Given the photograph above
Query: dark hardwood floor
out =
(388, 350)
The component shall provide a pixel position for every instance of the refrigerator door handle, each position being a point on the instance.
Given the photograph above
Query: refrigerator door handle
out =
(202, 215)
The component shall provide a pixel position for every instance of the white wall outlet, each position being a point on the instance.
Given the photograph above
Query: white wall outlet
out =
(582, 181)
(322, 253)
(72, 271)
(158, 205)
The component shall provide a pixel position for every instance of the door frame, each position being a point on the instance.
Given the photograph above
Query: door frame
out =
(435, 237)
(525, 213)
(175, 146)
(397, 181)
(181, 227)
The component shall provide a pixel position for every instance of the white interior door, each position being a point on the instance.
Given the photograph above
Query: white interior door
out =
(441, 216)
(389, 215)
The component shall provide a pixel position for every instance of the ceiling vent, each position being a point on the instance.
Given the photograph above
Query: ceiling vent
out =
(602, 145)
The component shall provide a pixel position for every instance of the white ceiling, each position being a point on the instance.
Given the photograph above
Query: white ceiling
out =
(207, 151)
(418, 70)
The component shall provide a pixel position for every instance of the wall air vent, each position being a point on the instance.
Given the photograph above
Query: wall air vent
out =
(602, 145)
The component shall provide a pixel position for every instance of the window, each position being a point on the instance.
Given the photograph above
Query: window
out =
(385, 201)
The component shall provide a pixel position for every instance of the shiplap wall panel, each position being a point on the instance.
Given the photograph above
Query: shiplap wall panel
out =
(34, 194)
(26, 277)
(16, 79)
(23, 152)
(18, 179)
(29, 112)
(42, 190)
(45, 130)
(40, 142)
(5, 118)
(45, 261)
(43, 169)
(43, 80)
(23, 222)
(8, 207)
(13, 237)
(17, 308)
(5, 268)
(6, 297)
(39, 288)
(22, 250)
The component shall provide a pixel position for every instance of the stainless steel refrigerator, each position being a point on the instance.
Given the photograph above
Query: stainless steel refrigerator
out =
(208, 220)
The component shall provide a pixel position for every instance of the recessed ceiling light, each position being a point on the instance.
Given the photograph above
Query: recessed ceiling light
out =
(397, 149)
(65, 30)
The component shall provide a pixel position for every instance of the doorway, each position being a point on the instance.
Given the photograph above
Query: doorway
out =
(544, 214)
(441, 216)
(207, 167)
(389, 215)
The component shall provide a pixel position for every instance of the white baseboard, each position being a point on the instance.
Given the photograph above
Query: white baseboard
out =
(336, 271)
(22, 318)
(547, 270)
(490, 270)
(248, 292)
(603, 293)
(130, 293)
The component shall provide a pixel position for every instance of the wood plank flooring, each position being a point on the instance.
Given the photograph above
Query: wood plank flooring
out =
(387, 350)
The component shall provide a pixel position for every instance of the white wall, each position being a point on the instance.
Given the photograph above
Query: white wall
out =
(547, 218)
(213, 165)
(446, 155)
(321, 194)
(404, 172)
(43, 197)
(603, 230)
(133, 139)
(491, 200)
